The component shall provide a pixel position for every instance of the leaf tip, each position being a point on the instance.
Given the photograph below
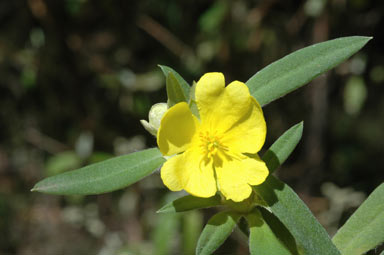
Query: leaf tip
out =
(164, 69)
(165, 209)
(301, 124)
(161, 210)
(365, 39)
(299, 127)
(35, 188)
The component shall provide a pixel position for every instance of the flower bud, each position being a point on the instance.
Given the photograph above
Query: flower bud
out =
(155, 114)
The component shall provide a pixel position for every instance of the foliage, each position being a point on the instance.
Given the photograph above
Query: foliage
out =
(287, 212)
(364, 230)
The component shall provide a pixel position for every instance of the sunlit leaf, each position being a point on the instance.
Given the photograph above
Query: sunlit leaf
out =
(106, 176)
(262, 240)
(280, 231)
(364, 230)
(283, 147)
(217, 230)
(302, 66)
(189, 202)
(284, 203)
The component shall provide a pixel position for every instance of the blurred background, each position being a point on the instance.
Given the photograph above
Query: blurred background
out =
(76, 76)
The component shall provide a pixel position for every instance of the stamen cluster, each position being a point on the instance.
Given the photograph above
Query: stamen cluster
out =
(211, 144)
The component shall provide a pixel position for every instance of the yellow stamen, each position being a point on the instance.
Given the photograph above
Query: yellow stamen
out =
(211, 144)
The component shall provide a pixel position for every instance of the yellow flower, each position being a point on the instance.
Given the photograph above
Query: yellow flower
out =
(213, 153)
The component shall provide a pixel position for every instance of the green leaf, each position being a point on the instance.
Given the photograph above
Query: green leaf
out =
(192, 224)
(281, 232)
(217, 230)
(364, 230)
(62, 162)
(284, 203)
(213, 17)
(183, 84)
(106, 176)
(164, 233)
(189, 202)
(283, 147)
(192, 101)
(175, 92)
(300, 67)
(262, 240)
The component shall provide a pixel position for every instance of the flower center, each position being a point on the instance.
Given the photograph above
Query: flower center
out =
(211, 144)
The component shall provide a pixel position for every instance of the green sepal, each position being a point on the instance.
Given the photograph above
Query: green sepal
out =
(182, 84)
(175, 92)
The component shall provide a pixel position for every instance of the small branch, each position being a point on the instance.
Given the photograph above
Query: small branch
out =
(164, 36)
(44, 142)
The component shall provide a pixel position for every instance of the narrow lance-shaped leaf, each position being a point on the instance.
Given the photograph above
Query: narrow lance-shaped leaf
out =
(364, 230)
(287, 206)
(106, 176)
(262, 240)
(300, 67)
(189, 202)
(184, 85)
(280, 230)
(295, 215)
(283, 147)
(165, 231)
(217, 230)
(192, 224)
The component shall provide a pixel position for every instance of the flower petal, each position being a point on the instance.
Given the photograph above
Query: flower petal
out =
(235, 177)
(221, 107)
(177, 128)
(247, 135)
(188, 171)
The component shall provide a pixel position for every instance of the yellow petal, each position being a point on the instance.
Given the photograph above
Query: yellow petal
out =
(221, 107)
(177, 128)
(187, 171)
(248, 134)
(235, 177)
(208, 92)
